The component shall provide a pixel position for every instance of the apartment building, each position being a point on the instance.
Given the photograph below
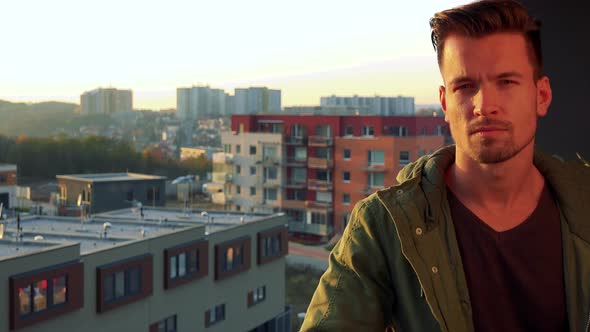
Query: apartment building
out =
(168, 271)
(106, 101)
(8, 186)
(257, 175)
(376, 105)
(326, 163)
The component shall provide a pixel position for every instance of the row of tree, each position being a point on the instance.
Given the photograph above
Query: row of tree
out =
(47, 157)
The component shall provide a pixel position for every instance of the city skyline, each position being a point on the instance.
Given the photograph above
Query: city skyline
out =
(307, 50)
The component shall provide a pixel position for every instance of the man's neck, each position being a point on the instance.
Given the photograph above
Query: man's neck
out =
(504, 185)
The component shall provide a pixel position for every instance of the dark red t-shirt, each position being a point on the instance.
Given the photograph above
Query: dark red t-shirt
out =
(514, 277)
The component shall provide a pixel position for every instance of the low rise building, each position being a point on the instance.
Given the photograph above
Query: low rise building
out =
(8, 185)
(159, 270)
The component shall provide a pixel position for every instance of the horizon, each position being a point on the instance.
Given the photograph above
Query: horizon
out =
(306, 49)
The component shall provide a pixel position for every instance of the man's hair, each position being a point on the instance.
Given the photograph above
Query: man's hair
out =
(482, 18)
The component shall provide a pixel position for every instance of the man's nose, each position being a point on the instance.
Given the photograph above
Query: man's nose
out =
(485, 101)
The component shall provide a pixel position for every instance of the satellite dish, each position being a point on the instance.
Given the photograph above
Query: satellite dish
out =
(38, 238)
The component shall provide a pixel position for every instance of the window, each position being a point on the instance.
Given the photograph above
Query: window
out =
(238, 190)
(299, 175)
(375, 180)
(184, 263)
(368, 131)
(130, 195)
(227, 148)
(272, 244)
(252, 149)
(252, 170)
(322, 175)
(256, 296)
(324, 131)
(42, 295)
(424, 132)
(323, 197)
(319, 218)
(404, 157)
(153, 194)
(403, 131)
(166, 325)
(238, 169)
(348, 131)
(346, 199)
(324, 153)
(2, 178)
(346, 154)
(297, 131)
(270, 173)
(295, 215)
(269, 152)
(301, 153)
(238, 149)
(346, 177)
(215, 315)
(296, 195)
(122, 284)
(232, 257)
(270, 194)
(252, 191)
(376, 157)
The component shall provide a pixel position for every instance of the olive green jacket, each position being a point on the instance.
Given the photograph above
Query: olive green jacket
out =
(398, 263)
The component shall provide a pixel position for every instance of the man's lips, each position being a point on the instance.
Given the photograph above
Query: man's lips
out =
(484, 130)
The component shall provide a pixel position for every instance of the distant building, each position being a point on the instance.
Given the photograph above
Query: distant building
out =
(199, 101)
(385, 106)
(8, 185)
(167, 270)
(321, 110)
(106, 101)
(315, 167)
(187, 153)
(256, 100)
(109, 191)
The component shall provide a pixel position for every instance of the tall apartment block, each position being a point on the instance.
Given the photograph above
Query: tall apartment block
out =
(150, 270)
(314, 168)
(106, 101)
(8, 186)
(386, 106)
(197, 101)
(255, 100)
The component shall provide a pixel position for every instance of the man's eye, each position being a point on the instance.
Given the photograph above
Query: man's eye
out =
(465, 86)
(507, 82)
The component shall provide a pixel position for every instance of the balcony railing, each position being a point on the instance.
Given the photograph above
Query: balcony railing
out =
(269, 161)
(294, 140)
(316, 229)
(266, 183)
(296, 162)
(320, 163)
(315, 205)
(319, 185)
(296, 184)
(293, 204)
(320, 141)
(378, 168)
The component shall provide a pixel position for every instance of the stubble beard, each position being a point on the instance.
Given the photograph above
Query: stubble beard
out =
(495, 150)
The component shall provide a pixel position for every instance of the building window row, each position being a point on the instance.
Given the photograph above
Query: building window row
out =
(184, 264)
(215, 315)
(122, 284)
(42, 295)
(271, 246)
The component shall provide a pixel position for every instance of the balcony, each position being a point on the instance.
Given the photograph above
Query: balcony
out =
(319, 206)
(292, 204)
(319, 185)
(266, 183)
(322, 163)
(316, 229)
(377, 168)
(320, 141)
(294, 140)
(296, 184)
(292, 162)
(269, 161)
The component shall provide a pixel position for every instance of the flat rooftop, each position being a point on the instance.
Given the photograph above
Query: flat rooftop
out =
(214, 221)
(7, 167)
(41, 232)
(110, 177)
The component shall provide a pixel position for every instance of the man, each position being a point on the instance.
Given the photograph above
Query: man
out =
(486, 235)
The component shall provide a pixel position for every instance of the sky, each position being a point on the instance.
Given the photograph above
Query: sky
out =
(56, 50)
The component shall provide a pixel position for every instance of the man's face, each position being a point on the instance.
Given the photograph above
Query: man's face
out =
(490, 98)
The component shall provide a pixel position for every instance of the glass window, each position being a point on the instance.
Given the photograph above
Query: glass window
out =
(269, 152)
(40, 298)
(252, 191)
(238, 149)
(193, 261)
(181, 265)
(171, 324)
(348, 131)
(270, 194)
(324, 130)
(134, 280)
(368, 130)
(229, 259)
(346, 199)
(238, 190)
(346, 176)
(59, 290)
(376, 157)
(109, 288)
(404, 157)
(324, 153)
(324, 197)
(376, 180)
(173, 272)
(299, 175)
(252, 170)
(270, 173)
(238, 169)
(24, 299)
(119, 284)
(346, 154)
(301, 153)
(252, 149)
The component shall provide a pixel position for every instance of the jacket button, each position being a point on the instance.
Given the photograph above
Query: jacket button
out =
(400, 191)
(434, 269)
(418, 231)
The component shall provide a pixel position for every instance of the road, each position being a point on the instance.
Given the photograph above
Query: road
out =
(315, 256)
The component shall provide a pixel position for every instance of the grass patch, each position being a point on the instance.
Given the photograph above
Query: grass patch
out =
(301, 282)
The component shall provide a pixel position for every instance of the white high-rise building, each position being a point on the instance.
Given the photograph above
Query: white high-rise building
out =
(198, 101)
(255, 100)
(385, 106)
(106, 101)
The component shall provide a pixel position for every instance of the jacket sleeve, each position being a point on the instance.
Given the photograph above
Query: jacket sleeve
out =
(354, 294)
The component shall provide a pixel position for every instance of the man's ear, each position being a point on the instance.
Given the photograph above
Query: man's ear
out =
(443, 100)
(544, 96)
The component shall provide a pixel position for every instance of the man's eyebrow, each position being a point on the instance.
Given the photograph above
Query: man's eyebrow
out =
(510, 74)
(461, 79)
